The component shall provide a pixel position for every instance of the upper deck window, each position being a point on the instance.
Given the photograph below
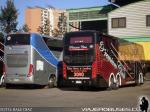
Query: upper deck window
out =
(118, 22)
(18, 39)
(148, 20)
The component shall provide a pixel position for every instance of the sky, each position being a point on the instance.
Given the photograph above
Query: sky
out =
(21, 5)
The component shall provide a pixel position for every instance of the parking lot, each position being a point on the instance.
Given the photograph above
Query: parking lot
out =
(125, 97)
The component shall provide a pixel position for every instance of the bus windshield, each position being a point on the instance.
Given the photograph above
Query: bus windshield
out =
(18, 39)
(79, 49)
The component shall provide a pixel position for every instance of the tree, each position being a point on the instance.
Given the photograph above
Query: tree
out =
(8, 17)
(56, 33)
(25, 28)
(1, 36)
(62, 25)
(45, 29)
(40, 29)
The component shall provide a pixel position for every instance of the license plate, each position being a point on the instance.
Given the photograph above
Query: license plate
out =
(78, 82)
(16, 80)
(21, 77)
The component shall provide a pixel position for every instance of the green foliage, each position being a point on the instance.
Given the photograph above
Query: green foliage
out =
(45, 29)
(8, 17)
(62, 25)
(1, 36)
(56, 33)
(40, 29)
(25, 28)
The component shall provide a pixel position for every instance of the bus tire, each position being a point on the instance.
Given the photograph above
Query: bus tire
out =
(118, 80)
(2, 83)
(112, 83)
(8, 86)
(140, 79)
(60, 82)
(52, 81)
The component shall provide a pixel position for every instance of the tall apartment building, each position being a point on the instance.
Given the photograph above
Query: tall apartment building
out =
(37, 16)
(33, 18)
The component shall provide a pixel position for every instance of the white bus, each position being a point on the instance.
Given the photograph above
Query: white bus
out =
(31, 58)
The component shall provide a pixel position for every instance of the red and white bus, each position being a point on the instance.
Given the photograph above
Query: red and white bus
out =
(93, 59)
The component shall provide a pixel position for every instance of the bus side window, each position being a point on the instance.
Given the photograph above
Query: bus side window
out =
(45, 39)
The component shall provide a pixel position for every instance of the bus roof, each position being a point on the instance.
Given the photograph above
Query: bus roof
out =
(47, 36)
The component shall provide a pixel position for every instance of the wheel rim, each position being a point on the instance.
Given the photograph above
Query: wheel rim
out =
(111, 82)
(118, 81)
(3, 82)
(51, 82)
(141, 78)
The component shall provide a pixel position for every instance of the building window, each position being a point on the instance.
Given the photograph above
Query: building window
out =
(148, 20)
(118, 22)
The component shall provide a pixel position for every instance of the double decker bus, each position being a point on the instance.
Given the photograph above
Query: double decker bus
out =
(31, 59)
(93, 59)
